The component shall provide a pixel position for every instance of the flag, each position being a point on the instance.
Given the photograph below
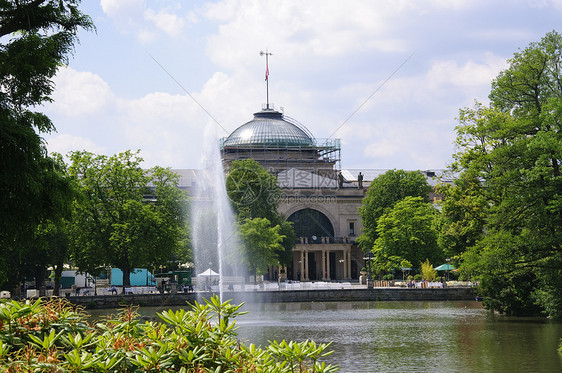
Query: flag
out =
(266, 71)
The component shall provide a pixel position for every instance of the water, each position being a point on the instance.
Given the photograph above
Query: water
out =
(212, 219)
(410, 336)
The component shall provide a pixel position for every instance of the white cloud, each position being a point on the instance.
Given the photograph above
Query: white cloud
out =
(165, 21)
(136, 17)
(64, 143)
(121, 8)
(469, 74)
(80, 93)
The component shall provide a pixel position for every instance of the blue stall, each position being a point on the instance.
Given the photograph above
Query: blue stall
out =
(138, 277)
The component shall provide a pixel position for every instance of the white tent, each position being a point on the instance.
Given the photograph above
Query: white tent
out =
(209, 272)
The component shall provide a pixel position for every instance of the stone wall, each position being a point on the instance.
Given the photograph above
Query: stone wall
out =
(340, 295)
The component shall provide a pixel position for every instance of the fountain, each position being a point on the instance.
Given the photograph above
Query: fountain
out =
(214, 237)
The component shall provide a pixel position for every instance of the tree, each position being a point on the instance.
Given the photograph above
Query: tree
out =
(253, 191)
(261, 245)
(514, 148)
(407, 232)
(463, 212)
(121, 221)
(38, 36)
(383, 193)
(255, 194)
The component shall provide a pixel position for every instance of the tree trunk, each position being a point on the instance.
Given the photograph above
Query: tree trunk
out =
(39, 274)
(126, 277)
(58, 274)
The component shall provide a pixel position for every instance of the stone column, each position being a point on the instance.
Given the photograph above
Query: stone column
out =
(344, 253)
(327, 265)
(301, 278)
(306, 266)
(323, 263)
(348, 263)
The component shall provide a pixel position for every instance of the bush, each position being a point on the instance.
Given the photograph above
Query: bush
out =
(427, 271)
(388, 277)
(410, 278)
(53, 336)
(418, 277)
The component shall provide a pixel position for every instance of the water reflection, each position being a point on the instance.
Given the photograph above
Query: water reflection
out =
(457, 336)
(410, 336)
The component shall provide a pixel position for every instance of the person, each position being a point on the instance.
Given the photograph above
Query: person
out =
(231, 287)
(360, 180)
(113, 290)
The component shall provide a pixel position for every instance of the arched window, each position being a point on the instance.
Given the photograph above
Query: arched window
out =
(312, 224)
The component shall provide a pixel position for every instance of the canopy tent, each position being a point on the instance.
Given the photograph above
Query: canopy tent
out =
(209, 272)
(444, 267)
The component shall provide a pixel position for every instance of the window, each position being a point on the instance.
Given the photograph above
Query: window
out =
(352, 228)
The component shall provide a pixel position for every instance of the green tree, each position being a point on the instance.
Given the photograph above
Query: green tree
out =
(261, 244)
(407, 232)
(255, 193)
(38, 37)
(126, 217)
(463, 213)
(514, 148)
(383, 193)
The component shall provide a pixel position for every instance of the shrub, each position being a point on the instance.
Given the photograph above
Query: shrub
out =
(428, 273)
(388, 277)
(53, 336)
(418, 277)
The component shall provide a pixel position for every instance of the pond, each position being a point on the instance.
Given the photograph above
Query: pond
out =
(450, 336)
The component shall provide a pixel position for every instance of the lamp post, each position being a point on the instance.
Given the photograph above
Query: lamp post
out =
(369, 277)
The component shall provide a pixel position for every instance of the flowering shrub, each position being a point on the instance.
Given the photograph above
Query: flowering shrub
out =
(54, 336)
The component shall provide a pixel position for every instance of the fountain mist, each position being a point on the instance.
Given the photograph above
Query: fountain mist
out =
(214, 238)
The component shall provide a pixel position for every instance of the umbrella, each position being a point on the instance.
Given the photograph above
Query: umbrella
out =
(444, 267)
(208, 272)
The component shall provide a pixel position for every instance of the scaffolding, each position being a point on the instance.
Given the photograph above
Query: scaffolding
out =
(322, 157)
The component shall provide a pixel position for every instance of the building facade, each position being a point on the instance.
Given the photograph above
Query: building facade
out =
(320, 199)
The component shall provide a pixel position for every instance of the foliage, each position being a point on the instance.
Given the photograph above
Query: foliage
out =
(37, 38)
(253, 191)
(121, 221)
(514, 150)
(255, 194)
(406, 232)
(52, 336)
(388, 277)
(261, 242)
(383, 193)
(463, 211)
(28, 249)
(427, 271)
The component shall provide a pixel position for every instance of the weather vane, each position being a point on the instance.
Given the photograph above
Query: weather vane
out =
(267, 54)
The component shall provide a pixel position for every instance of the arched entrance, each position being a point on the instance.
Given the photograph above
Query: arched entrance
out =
(312, 225)
(318, 256)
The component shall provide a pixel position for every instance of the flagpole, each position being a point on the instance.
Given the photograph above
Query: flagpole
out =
(267, 54)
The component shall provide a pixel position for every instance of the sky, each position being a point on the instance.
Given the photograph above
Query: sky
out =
(388, 78)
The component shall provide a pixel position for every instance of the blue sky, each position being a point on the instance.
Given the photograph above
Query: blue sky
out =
(329, 56)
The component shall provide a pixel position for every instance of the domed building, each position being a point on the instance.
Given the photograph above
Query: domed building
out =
(315, 196)
(280, 143)
(320, 198)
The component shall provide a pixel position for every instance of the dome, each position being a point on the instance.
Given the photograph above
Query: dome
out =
(270, 127)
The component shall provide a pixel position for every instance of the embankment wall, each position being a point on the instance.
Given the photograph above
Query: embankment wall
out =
(339, 295)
